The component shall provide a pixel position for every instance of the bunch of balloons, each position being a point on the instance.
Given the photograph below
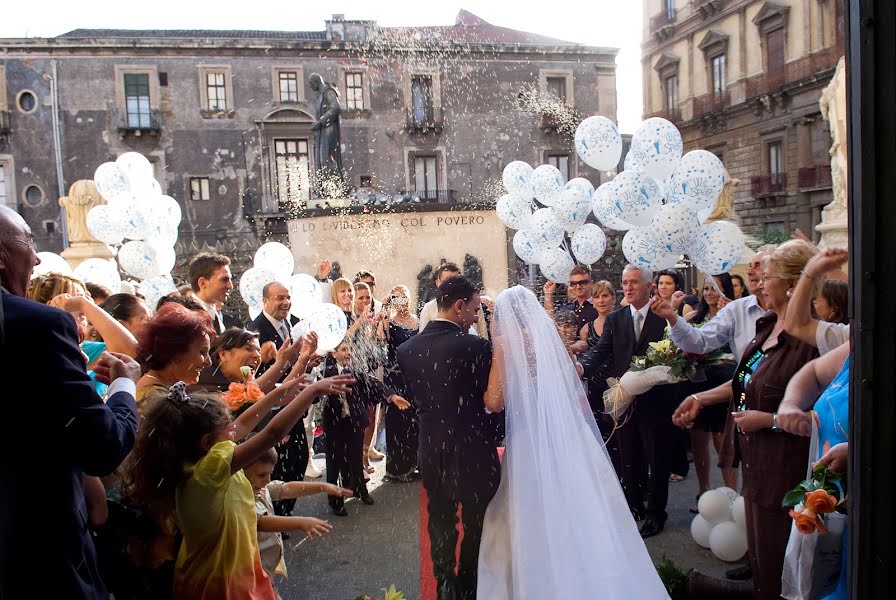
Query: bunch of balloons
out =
(721, 525)
(661, 200)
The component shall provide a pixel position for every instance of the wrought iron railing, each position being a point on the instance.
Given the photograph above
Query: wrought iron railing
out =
(768, 185)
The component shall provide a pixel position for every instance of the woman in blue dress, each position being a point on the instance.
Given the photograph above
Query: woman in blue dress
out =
(827, 379)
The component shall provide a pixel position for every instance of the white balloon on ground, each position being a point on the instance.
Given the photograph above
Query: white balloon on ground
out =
(328, 322)
(589, 243)
(547, 183)
(580, 183)
(700, 531)
(731, 494)
(100, 271)
(718, 247)
(51, 262)
(598, 143)
(738, 512)
(728, 541)
(555, 264)
(140, 259)
(514, 211)
(675, 228)
(306, 294)
(252, 284)
(527, 246)
(137, 170)
(642, 250)
(546, 228)
(605, 209)
(698, 180)
(714, 506)
(636, 198)
(517, 179)
(156, 288)
(572, 209)
(112, 183)
(275, 257)
(661, 145)
(104, 222)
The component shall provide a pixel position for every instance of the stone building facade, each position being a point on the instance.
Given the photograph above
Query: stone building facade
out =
(743, 79)
(429, 114)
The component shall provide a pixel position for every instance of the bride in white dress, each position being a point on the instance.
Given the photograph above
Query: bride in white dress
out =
(559, 525)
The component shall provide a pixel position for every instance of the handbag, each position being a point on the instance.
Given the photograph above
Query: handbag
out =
(812, 562)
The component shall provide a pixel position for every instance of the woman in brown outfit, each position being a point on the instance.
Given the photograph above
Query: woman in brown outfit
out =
(772, 461)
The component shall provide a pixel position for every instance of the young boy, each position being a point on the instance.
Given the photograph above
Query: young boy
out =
(345, 418)
(270, 545)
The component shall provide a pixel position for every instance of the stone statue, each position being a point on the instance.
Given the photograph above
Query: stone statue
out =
(725, 204)
(834, 217)
(327, 153)
(82, 196)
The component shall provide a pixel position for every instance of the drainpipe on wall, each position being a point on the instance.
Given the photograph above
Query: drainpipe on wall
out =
(57, 142)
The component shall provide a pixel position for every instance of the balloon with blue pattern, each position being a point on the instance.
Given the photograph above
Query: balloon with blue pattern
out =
(139, 259)
(675, 228)
(546, 228)
(661, 145)
(112, 183)
(306, 294)
(604, 208)
(598, 143)
(589, 243)
(547, 183)
(641, 249)
(582, 184)
(104, 222)
(555, 264)
(527, 246)
(572, 209)
(329, 323)
(636, 198)
(698, 180)
(276, 258)
(100, 271)
(155, 288)
(517, 179)
(252, 283)
(718, 248)
(514, 211)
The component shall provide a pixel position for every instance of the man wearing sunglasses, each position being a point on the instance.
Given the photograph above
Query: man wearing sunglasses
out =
(580, 286)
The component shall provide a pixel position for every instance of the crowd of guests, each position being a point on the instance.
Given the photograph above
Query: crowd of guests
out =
(180, 439)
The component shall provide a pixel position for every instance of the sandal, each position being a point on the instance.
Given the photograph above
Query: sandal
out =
(675, 478)
(694, 510)
(369, 469)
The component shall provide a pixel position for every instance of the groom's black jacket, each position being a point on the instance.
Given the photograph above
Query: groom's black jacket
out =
(446, 371)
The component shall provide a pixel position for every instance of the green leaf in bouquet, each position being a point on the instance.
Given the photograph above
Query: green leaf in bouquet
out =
(793, 497)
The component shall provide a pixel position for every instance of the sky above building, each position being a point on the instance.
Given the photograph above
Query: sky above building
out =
(615, 23)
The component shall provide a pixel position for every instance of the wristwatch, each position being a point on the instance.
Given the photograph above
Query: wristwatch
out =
(775, 422)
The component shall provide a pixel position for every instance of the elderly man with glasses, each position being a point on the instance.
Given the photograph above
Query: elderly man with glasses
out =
(580, 305)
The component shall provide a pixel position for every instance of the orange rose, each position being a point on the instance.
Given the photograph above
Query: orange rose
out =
(806, 520)
(240, 393)
(821, 502)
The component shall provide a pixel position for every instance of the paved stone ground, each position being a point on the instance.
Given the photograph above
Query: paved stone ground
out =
(378, 545)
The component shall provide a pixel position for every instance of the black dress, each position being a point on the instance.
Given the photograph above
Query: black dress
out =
(401, 425)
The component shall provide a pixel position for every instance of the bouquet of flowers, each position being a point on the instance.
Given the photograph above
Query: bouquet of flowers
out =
(663, 363)
(247, 392)
(390, 594)
(814, 498)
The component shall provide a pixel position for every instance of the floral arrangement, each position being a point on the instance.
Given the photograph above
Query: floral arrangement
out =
(682, 365)
(814, 498)
(238, 394)
(390, 594)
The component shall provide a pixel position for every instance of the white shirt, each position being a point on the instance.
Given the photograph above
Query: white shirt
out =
(217, 319)
(643, 312)
(830, 335)
(430, 311)
(279, 326)
(734, 325)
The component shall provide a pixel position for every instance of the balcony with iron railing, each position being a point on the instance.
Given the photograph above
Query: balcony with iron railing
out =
(430, 196)
(670, 114)
(768, 185)
(797, 70)
(816, 176)
(424, 120)
(711, 102)
(138, 124)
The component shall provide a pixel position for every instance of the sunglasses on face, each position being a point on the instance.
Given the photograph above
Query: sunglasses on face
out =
(579, 283)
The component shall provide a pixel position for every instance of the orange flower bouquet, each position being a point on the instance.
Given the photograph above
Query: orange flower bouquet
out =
(247, 392)
(814, 498)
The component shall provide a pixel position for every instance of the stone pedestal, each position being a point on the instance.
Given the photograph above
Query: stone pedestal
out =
(833, 226)
(82, 196)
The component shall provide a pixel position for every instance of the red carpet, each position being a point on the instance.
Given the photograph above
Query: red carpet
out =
(427, 580)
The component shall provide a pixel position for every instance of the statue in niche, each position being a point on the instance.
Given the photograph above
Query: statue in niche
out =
(834, 217)
(82, 196)
(327, 152)
(725, 204)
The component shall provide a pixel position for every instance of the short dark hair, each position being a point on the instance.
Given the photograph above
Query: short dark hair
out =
(204, 265)
(454, 289)
(268, 457)
(364, 275)
(675, 275)
(184, 301)
(446, 266)
(98, 292)
(231, 338)
(743, 285)
(121, 306)
(581, 270)
(836, 292)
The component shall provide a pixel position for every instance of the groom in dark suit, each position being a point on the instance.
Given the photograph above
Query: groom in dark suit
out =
(645, 440)
(447, 370)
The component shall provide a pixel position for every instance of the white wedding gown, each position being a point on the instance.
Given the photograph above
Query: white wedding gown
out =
(558, 526)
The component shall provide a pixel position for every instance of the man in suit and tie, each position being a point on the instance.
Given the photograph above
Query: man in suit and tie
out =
(211, 281)
(52, 434)
(446, 370)
(645, 438)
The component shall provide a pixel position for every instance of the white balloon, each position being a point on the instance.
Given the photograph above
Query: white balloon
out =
(306, 294)
(275, 257)
(582, 184)
(698, 179)
(104, 222)
(658, 147)
(605, 209)
(517, 179)
(728, 541)
(154, 289)
(635, 159)
(112, 183)
(642, 250)
(714, 506)
(598, 143)
(252, 283)
(675, 228)
(138, 172)
(546, 228)
(718, 247)
(100, 271)
(139, 259)
(51, 263)
(555, 264)
(162, 208)
(300, 329)
(589, 243)
(731, 494)
(547, 183)
(254, 311)
(738, 512)
(329, 323)
(572, 209)
(636, 198)
(514, 211)
(132, 219)
(700, 530)
(527, 246)
(166, 258)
